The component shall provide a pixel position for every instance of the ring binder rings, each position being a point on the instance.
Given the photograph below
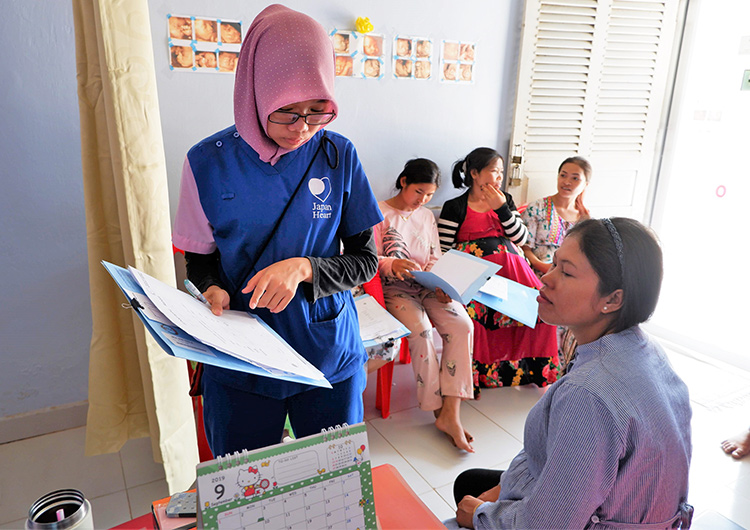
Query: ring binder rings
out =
(320, 481)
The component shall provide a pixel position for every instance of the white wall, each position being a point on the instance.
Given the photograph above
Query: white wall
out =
(45, 316)
(390, 120)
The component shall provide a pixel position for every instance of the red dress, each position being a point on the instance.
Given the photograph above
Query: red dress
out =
(506, 352)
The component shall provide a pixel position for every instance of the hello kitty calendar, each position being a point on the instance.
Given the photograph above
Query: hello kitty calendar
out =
(320, 481)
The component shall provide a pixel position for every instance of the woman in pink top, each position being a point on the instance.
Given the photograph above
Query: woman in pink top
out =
(407, 240)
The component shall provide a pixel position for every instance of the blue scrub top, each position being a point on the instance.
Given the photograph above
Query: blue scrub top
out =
(243, 197)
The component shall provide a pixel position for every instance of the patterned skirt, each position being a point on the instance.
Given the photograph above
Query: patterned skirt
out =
(506, 352)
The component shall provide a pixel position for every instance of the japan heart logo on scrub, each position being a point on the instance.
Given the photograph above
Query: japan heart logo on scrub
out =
(320, 188)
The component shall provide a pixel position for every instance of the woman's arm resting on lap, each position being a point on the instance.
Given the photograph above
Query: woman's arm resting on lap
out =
(466, 509)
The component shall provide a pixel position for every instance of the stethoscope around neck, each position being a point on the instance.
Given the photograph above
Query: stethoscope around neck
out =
(325, 143)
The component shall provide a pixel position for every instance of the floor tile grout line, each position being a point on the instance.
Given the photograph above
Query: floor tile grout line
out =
(497, 424)
(402, 455)
(125, 482)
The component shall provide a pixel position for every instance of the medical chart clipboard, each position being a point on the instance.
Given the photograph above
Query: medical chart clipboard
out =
(177, 342)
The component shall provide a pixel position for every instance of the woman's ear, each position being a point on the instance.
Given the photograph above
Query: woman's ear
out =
(613, 302)
(402, 182)
(473, 174)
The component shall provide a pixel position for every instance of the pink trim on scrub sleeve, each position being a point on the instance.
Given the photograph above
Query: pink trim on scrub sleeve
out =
(192, 231)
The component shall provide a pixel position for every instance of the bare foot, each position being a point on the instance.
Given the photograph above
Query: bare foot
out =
(456, 433)
(469, 437)
(737, 446)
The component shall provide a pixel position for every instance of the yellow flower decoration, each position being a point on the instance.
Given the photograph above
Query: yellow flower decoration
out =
(364, 25)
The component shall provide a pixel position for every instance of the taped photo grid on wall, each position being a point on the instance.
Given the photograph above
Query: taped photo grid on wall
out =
(412, 57)
(358, 55)
(203, 44)
(373, 52)
(457, 63)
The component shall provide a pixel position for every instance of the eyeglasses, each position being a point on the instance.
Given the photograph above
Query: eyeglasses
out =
(285, 117)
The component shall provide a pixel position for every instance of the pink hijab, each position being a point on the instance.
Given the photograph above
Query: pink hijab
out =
(286, 57)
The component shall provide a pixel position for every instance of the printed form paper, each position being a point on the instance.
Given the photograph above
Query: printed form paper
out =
(376, 323)
(234, 332)
(496, 286)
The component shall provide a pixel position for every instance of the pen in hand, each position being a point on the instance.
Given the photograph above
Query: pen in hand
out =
(192, 289)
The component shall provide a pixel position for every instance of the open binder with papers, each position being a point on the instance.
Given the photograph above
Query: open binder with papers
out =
(464, 278)
(510, 298)
(186, 328)
(458, 274)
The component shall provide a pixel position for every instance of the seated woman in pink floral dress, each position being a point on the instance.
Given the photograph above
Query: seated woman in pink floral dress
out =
(484, 222)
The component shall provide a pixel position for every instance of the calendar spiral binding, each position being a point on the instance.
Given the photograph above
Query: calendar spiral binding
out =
(231, 460)
(339, 431)
(239, 458)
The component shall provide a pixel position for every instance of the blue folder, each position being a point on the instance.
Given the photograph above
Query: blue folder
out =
(178, 343)
(430, 280)
(521, 304)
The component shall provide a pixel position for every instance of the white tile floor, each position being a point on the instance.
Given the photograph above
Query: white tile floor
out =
(121, 486)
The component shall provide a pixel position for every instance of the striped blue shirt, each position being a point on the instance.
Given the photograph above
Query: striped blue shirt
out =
(609, 441)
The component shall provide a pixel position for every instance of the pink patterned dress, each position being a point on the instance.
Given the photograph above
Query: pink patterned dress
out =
(506, 352)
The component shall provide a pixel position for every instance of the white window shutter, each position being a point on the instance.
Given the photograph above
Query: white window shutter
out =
(591, 82)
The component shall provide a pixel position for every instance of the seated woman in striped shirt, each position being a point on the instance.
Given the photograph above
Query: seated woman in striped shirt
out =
(608, 445)
(484, 222)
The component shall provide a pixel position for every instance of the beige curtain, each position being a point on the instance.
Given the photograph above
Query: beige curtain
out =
(135, 389)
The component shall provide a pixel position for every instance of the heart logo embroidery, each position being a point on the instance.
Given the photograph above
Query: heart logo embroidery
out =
(320, 188)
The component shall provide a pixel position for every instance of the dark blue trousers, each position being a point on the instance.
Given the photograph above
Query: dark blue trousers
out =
(237, 420)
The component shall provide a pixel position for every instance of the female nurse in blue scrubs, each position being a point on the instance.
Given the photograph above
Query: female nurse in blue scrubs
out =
(266, 207)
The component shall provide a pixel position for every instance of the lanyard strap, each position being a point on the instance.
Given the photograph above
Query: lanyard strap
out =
(332, 164)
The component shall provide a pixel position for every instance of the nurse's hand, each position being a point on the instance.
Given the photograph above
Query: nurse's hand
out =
(218, 298)
(275, 286)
